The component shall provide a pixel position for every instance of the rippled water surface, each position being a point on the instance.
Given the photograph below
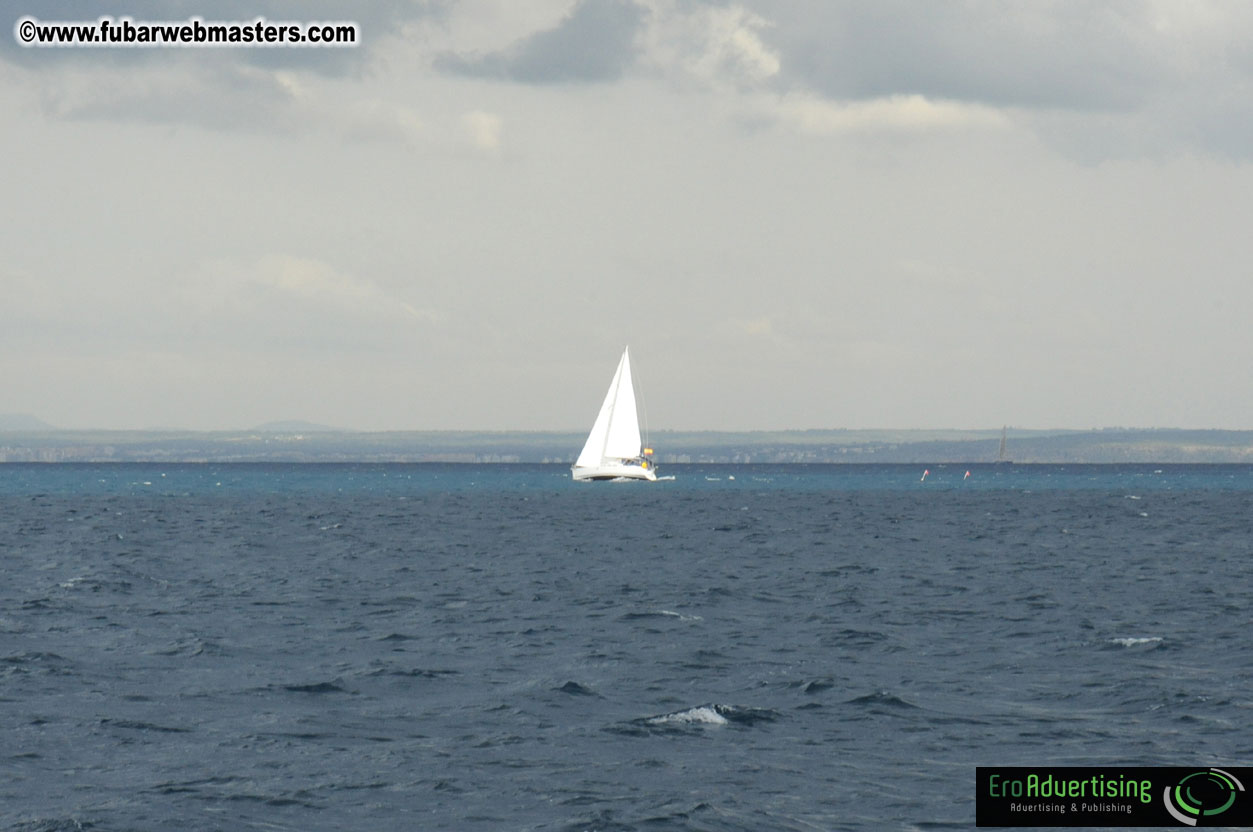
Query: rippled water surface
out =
(312, 647)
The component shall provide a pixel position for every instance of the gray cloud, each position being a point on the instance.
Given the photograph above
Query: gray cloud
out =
(1104, 80)
(1098, 80)
(1073, 55)
(226, 89)
(595, 43)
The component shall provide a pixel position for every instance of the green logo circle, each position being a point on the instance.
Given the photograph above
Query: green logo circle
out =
(1202, 795)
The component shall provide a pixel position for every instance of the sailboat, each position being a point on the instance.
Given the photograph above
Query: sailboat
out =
(613, 450)
(1002, 458)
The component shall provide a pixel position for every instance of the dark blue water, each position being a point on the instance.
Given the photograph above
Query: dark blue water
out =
(306, 647)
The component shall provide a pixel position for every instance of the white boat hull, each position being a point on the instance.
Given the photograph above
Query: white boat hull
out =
(613, 472)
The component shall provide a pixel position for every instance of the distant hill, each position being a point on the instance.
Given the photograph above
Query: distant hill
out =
(295, 426)
(23, 421)
(307, 442)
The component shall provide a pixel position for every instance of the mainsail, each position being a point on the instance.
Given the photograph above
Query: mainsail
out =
(616, 433)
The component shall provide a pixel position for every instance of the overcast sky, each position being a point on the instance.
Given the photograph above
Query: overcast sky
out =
(900, 213)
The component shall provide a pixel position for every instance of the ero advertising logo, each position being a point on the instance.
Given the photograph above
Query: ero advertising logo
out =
(1113, 796)
(1203, 796)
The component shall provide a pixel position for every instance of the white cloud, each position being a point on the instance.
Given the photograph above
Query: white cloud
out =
(300, 293)
(899, 113)
(718, 46)
(276, 299)
(483, 129)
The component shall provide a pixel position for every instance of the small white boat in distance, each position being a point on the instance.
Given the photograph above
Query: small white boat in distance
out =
(613, 450)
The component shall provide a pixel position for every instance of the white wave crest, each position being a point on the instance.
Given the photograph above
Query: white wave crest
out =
(680, 615)
(705, 714)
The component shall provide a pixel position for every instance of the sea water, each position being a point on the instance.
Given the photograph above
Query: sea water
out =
(307, 647)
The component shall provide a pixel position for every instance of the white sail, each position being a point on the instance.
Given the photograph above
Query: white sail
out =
(594, 450)
(613, 448)
(623, 441)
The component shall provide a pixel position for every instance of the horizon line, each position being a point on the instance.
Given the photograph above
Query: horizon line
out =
(279, 427)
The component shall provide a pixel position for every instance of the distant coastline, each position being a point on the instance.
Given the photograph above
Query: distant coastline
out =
(289, 443)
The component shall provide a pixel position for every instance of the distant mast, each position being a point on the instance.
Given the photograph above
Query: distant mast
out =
(1002, 458)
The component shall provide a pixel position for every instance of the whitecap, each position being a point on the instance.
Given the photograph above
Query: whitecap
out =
(713, 714)
(680, 615)
(1132, 642)
(704, 714)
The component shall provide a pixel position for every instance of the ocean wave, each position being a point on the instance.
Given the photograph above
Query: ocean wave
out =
(704, 815)
(575, 689)
(36, 662)
(710, 714)
(53, 825)
(137, 725)
(882, 699)
(412, 672)
(316, 687)
(701, 715)
(637, 616)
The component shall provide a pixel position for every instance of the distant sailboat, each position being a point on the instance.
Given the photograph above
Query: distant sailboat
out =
(1002, 458)
(613, 450)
